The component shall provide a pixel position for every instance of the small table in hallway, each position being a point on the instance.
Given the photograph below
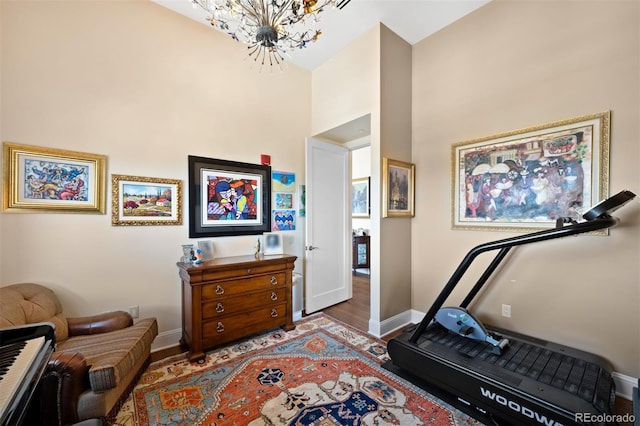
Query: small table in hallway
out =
(361, 252)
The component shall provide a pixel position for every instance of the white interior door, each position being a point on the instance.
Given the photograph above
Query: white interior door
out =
(328, 225)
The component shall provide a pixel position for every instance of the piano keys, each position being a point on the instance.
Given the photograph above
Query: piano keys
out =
(24, 354)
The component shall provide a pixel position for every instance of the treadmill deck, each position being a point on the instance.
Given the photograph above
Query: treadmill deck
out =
(559, 377)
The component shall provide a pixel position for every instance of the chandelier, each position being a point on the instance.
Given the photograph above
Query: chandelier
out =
(270, 28)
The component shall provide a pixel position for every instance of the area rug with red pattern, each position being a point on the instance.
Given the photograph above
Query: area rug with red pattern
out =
(322, 373)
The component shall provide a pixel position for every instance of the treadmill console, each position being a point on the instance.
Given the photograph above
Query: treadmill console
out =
(609, 205)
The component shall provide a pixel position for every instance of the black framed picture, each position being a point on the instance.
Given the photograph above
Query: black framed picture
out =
(228, 198)
(360, 194)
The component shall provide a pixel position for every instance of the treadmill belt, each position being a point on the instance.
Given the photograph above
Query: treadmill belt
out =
(523, 360)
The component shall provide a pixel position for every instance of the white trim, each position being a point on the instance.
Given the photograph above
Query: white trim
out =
(362, 142)
(166, 339)
(624, 385)
(374, 328)
(389, 325)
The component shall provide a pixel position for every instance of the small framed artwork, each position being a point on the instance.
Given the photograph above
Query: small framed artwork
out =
(283, 181)
(398, 188)
(283, 220)
(145, 201)
(228, 197)
(284, 200)
(273, 243)
(303, 201)
(360, 193)
(206, 249)
(526, 179)
(48, 180)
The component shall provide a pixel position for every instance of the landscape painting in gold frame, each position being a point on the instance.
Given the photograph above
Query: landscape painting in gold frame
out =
(139, 201)
(527, 179)
(47, 180)
(398, 188)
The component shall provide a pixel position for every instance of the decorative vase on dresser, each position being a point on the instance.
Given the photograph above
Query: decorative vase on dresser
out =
(227, 298)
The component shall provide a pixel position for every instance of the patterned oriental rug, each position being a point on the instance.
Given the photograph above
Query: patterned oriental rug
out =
(323, 373)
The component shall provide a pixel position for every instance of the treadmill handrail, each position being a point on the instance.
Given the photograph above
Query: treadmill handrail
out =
(602, 222)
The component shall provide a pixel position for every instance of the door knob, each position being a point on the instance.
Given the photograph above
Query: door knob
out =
(311, 248)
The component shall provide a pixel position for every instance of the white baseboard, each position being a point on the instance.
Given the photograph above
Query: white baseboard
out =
(166, 339)
(380, 328)
(624, 385)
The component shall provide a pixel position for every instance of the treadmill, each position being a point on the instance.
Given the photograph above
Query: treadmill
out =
(498, 376)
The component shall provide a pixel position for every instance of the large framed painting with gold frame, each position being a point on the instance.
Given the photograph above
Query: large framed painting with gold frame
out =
(47, 180)
(398, 183)
(526, 179)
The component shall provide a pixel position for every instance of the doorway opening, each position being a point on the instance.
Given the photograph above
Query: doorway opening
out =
(357, 310)
(354, 138)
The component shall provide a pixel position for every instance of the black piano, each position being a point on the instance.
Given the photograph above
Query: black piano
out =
(24, 354)
(499, 376)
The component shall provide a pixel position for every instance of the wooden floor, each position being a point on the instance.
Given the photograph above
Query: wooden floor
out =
(356, 310)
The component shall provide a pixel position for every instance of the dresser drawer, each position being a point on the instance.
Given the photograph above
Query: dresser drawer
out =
(240, 272)
(242, 286)
(233, 327)
(242, 303)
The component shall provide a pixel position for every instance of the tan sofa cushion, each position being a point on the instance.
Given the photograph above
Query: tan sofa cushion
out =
(22, 304)
(112, 358)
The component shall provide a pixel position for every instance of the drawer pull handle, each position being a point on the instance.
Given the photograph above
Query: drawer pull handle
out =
(274, 296)
(274, 280)
(219, 290)
(220, 327)
(274, 313)
(219, 308)
(248, 270)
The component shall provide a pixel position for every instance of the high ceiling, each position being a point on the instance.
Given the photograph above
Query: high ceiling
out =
(413, 20)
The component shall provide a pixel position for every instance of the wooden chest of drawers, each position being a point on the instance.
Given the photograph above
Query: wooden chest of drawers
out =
(232, 297)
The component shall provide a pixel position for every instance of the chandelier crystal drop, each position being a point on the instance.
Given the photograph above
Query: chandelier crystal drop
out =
(270, 28)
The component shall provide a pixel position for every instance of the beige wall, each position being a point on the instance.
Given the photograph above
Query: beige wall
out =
(146, 87)
(395, 143)
(346, 87)
(511, 65)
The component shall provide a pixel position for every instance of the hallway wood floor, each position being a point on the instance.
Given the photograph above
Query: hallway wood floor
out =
(354, 311)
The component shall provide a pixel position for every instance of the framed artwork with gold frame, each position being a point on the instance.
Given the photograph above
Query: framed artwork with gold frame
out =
(398, 188)
(526, 179)
(143, 201)
(47, 180)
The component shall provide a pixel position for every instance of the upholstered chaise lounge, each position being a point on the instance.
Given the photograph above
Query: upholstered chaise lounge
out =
(97, 359)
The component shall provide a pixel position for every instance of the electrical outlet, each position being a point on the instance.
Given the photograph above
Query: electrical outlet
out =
(134, 311)
(506, 311)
